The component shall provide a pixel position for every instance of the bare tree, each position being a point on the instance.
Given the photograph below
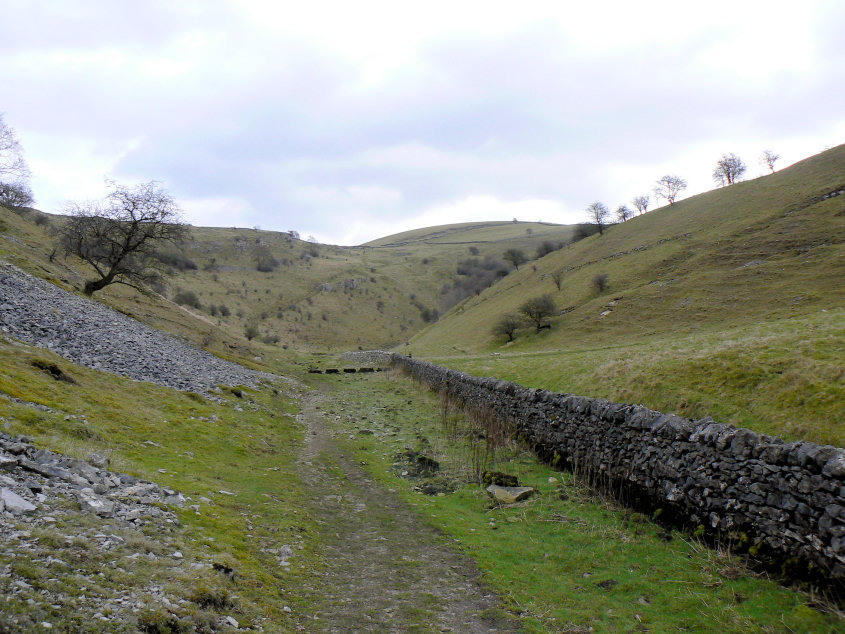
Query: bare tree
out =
(623, 213)
(598, 213)
(120, 235)
(668, 187)
(557, 278)
(13, 167)
(15, 195)
(641, 203)
(729, 170)
(515, 257)
(538, 308)
(769, 159)
(507, 325)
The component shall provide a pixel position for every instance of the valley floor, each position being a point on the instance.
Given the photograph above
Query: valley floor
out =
(297, 515)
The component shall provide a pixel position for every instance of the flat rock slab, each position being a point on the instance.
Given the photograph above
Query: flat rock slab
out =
(509, 495)
(8, 462)
(14, 503)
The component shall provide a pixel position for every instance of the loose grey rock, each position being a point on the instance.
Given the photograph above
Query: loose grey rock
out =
(42, 314)
(90, 501)
(14, 503)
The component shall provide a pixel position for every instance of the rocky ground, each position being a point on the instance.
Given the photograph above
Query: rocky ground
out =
(84, 548)
(88, 549)
(94, 335)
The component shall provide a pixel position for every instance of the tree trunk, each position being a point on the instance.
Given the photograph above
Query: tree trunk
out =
(92, 286)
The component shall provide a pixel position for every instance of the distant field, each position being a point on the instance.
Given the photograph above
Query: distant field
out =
(524, 233)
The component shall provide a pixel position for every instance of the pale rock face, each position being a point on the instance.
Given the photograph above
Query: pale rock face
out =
(14, 503)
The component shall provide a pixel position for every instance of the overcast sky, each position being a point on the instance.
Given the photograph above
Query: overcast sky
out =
(354, 120)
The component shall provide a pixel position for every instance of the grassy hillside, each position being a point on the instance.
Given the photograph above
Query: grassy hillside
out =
(293, 295)
(27, 240)
(729, 302)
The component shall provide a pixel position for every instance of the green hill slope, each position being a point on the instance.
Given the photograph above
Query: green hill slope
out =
(686, 283)
(292, 294)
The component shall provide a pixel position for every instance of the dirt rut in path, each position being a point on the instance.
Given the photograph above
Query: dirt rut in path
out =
(386, 570)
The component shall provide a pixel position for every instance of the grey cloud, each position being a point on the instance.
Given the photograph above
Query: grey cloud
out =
(528, 114)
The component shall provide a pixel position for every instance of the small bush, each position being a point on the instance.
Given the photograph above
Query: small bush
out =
(224, 310)
(537, 309)
(175, 259)
(41, 220)
(584, 230)
(187, 298)
(600, 282)
(547, 247)
(264, 260)
(250, 331)
(507, 325)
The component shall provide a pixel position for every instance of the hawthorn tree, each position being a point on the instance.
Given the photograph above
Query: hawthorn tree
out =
(515, 257)
(641, 204)
(507, 325)
(598, 213)
(119, 236)
(600, 281)
(13, 167)
(729, 170)
(14, 172)
(623, 213)
(669, 186)
(537, 309)
(15, 195)
(769, 159)
(557, 278)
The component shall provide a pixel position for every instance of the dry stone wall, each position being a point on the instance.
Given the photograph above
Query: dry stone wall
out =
(783, 502)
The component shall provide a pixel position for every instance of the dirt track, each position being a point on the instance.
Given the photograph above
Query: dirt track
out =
(386, 571)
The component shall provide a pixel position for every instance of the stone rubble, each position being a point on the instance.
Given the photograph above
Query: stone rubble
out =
(31, 476)
(94, 335)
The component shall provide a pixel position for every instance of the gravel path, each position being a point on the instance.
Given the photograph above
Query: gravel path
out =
(94, 335)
